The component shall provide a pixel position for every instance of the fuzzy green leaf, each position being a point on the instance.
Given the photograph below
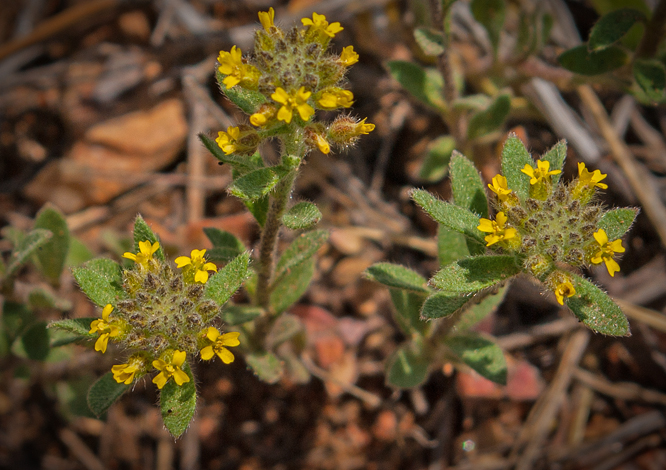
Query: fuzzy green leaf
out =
(470, 275)
(286, 326)
(490, 13)
(475, 313)
(430, 40)
(595, 309)
(397, 276)
(514, 158)
(178, 403)
(223, 284)
(142, 233)
(225, 245)
(407, 311)
(16, 317)
(266, 366)
(581, 61)
(408, 366)
(78, 253)
(301, 249)
(28, 245)
(617, 222)
(101, 280)
(612, 27)
(292, 285)
(491, 119)
(442, 304)
(302, 216)
(104, 393)
(435, 165)
(467, 186)
(255, 184)
(259, 209)
(651, 77)
(451, 245)
(78, 326)
(247, 100)
(52, 254)
(241, 164)
(480, 354)
(556, 156)
(239, 314)
(456, 218)
(425, 85)
(35, 342)
(40, 298)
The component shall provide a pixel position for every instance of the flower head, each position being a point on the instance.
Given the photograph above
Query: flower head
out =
(231, 65)
(266, 18)
(219, 344)
(336, 98)
(348, 56)
(500, 187)
(590, 180)
(606, 251)
(297, 100)
(227, 141)
(125, 373)
(171, 368)
(145, 254)
(105, 329)
(497, 229)
(540, 173)
(319, 25)
(198, 264)
(564, 289)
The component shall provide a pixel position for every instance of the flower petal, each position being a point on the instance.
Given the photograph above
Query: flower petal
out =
(225, 355)
(180, 377)
(201, 276)
(178, 358)
(102, 342)
(229, 339)
(601, 237)
(207, 353)
(160, 380)
(212, 333)
(182, 261)
(612, 266)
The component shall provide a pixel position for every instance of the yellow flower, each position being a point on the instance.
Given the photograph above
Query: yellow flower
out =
(363, 128)
(606, 251)
(497, 229)
(500, 188)
(231, 65)
(540, 173)
(198, 263)
(266, 18)
(171, 369)
(145, 254)
(590, 180)
(219, 345)
(125, 373)
(227, 140)
(322, 144)
(348, 56)
(564, 289)
(104, 328)
(336, 98)
(319, 24)
(295, 100)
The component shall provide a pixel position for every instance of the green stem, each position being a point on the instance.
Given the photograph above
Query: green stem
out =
(654, 32)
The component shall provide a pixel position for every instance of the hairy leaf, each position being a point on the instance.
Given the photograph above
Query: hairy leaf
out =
(225, 245)
(480, 354)
(470, 275)
(101, 280)
(651, 77)
(223, 284)
(467, 186)
(584, 62)
(301, 249)
(435, 165)
(611, 27)
(397, 276)
(456, 218)
(142, 233)
(556, 156)
(53, 253)
(266, 366)
(596, 309)
(430, 40)
(514, 158)
(178, 404)
(408, 366)
(292, 285)
(302, 216)
(617, 222)
(104, 393)
(491, 119)
(490, 13)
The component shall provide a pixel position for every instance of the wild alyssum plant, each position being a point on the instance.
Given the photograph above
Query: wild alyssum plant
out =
(542, 227)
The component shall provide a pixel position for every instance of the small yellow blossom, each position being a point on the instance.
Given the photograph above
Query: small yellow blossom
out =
(348, 56)
(319, 24)
(125, 373)
(197, 262)
(590, 180)
(497, 229)
(171, 369)
(564, 289)
(219, 345)
(336, 98)
(540, 173)
(231, 65)
(322, 144)
(606, 251)
(364, 128)
(297, 100)
(267, 18)
(145, 254)
(104, 328)
(227, 140)
(500, 188)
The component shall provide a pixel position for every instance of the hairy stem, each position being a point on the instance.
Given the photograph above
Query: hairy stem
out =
(654, 32)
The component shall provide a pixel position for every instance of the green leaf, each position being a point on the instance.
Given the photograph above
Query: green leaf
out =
(241, 164)
(595, 309)
(490, 120)
(247, 100)
(584, 62)
(424, 85)
(514, 158)
(430, 40)
(612, 27)
(475, 313)
(266, 366)
(178, 403)
(40, 298)
(651, 77)
(286, 326)
(225, 245)
(480, 354)
(451, 245)
(142, 233)
(617, 222)
(78, 253)
(407, 311)
(397, 276)
(52, 254)
(302, 216)
(442, 304)
(435, 165)
(292, 286)
(456, 218)
(255, 184)
(301, 249)
(408, 366)
(490, 13)
(101, 280)
(223, 284)
(78, 326)
(470, 275)
(15, 318)
(467, 187)
(31, 243)
(34, 343)
(259, 209)
(556, 156)
(104, 393)
(239, 314)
